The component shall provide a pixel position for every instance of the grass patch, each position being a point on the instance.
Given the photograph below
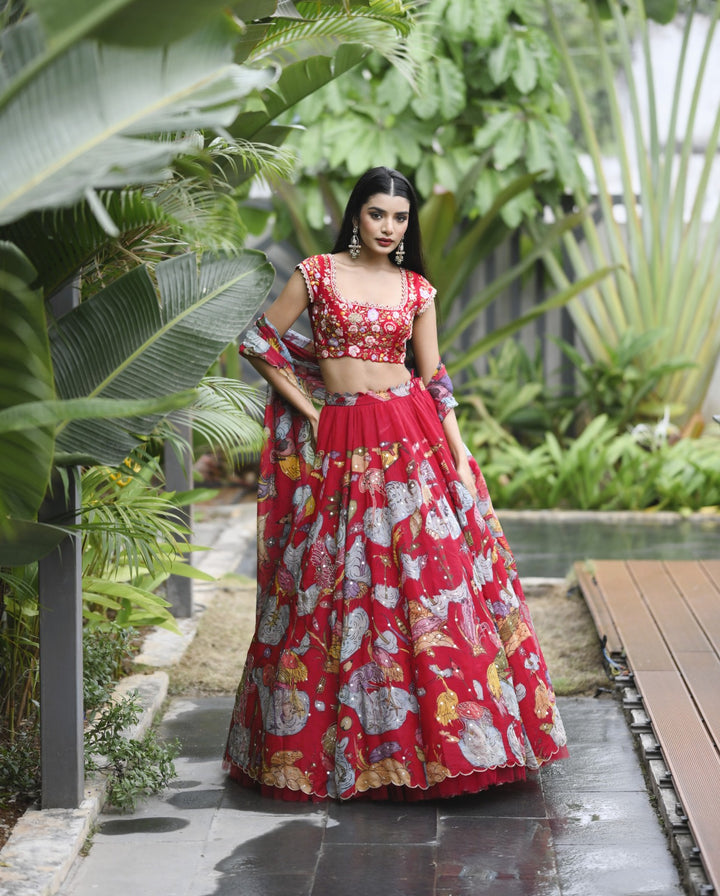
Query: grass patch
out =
(213, 663)
(569, 641)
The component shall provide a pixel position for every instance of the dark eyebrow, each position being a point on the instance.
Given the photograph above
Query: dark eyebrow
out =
(377, 208)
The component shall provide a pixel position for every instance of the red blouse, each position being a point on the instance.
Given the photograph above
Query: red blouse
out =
(357, 328)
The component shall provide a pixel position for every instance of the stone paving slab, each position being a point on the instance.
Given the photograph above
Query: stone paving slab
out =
(200, 857)
(583, 827)
(45, 843)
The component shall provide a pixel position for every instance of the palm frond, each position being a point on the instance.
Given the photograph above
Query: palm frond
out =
(115, 21)
(123, 341)
(225, 415)
(380, 26)
(124, 519)
(252, 157)
(231, 393)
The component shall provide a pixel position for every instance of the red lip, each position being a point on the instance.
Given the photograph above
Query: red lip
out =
(385, 242)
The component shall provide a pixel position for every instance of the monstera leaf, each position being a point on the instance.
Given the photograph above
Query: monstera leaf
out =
(124, 342)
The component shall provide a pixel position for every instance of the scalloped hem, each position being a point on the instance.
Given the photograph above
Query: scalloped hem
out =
(459, 785)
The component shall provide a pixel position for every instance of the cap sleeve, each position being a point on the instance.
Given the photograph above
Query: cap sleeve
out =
(425, 294)
(311, 269)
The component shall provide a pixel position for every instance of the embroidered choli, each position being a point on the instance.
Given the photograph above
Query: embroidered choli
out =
(358, 328)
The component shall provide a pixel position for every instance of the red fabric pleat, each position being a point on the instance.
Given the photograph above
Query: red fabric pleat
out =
(394, 655)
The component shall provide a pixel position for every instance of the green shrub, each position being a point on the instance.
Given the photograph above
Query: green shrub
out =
(20, 765)
(134, 767)
(604, 470)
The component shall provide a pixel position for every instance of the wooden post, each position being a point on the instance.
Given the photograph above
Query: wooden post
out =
(61, 659)
(62, 747)
(178, 477)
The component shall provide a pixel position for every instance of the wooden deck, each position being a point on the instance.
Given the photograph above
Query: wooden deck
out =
(662, 620)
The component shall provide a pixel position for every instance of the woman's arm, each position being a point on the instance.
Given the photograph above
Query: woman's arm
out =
(427, 358)
(282, 314)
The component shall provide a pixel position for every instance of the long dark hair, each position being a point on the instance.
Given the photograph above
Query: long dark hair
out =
(393, 183)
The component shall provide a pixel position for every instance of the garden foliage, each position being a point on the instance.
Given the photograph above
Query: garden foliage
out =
(662, 232)
(131, 128)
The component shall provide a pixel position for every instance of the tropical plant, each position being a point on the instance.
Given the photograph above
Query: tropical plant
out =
(206, 71)
(669, 275)
(485, 89)
(619, 383)
(602, 469)
(512, 401)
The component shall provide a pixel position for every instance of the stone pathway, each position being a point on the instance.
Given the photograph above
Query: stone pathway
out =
(584, 827)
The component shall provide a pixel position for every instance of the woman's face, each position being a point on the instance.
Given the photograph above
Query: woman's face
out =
(383, 221)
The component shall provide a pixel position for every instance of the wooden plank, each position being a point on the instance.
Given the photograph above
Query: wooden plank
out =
(643, 643)
(700, 585)
(667, 617)
(672, 615)
(691, 757)
(712, 568)
(598, 608)
(692, 652)
(701, 673)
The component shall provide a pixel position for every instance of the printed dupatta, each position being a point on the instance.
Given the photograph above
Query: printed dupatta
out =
(286, 460)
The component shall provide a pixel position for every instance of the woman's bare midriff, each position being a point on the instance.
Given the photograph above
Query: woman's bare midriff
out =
(354, 375)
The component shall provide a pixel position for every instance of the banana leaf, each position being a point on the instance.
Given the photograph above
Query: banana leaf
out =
(33, 414)
(84, 121)
(146, 23)
(25, 376)
(125, 341)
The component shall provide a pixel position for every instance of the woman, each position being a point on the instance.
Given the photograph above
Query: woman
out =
(394, 656)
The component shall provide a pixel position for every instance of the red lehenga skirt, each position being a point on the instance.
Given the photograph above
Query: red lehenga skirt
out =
(394, 655)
